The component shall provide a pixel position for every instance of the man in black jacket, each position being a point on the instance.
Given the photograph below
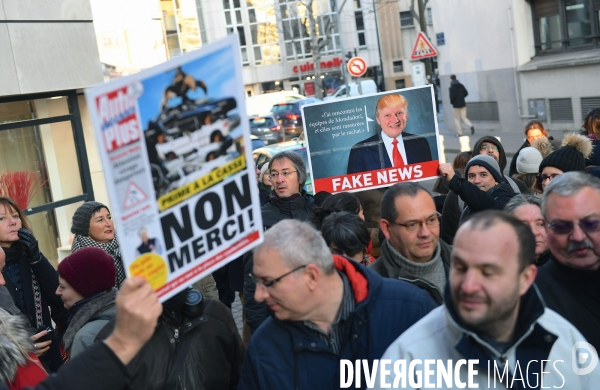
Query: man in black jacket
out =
(483, 189)
(452, 210)
(458, 93)
(570, 280)
(288, 200)
(413, 250)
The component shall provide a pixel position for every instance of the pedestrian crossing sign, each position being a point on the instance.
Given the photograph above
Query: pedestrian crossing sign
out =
(423, 48)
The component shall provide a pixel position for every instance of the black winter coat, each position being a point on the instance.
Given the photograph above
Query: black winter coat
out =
(574, 294)
(273, 211)
(477, 200)
(458, 93)
(52, 306)
(97, 368)
(214, 359)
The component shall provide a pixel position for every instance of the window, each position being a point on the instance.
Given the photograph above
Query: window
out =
(483, 111)
(561, 110)
(406, 19)
(296, 28)
(51, 147)
(400, 84)
(429, 17)
(263, 29)
(360, 26)
(398, 67)
(589, 103)
(563, 25)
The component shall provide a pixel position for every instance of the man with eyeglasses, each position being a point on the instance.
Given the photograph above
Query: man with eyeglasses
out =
(392, 146)
(325, 308)
(413, 250)
(570, 280)
(288, 200)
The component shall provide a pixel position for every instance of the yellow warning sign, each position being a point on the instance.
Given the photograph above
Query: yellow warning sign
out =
(199, 185)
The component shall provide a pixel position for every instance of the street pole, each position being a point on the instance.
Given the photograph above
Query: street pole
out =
(379, 46)
(337, 16)
(423, 25)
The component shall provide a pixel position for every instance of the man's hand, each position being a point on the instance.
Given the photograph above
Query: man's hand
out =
(447, 171)
(32, 250)
(138, 310)
(41, 347)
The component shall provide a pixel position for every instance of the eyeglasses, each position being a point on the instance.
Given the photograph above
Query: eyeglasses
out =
(414, 226)
(270, 283)
(275, 175)
(485, 148)
(566, 227)
(543, 177)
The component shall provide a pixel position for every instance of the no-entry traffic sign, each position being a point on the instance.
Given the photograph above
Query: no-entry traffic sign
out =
(357, 66)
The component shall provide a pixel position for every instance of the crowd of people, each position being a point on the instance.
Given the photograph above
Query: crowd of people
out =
(499, 268)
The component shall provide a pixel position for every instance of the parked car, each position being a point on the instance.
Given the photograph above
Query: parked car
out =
(264, 155)
(289, 115)
(261, 104)
(256, 142)
(368, 87)
(266, 128)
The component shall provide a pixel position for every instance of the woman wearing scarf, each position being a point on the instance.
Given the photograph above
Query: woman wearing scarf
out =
(30, 279)
(93, 227)
(86, 281)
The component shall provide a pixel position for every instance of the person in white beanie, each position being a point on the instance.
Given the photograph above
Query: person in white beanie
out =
(528, 165)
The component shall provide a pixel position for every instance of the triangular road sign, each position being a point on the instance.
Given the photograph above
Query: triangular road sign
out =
(423, 48)
(133, 196)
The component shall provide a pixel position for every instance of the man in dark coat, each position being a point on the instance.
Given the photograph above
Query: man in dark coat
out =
(413, 250)
(458, 93)
(288, 200)
(570, 280)
(325, 308)
(483, 189)
(391, 147)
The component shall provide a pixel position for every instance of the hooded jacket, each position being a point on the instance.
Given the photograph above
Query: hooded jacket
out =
(273, 211)
(287, 355)
(540, 334)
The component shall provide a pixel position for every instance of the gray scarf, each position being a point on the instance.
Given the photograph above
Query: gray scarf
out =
(83, 315)
(111, 247)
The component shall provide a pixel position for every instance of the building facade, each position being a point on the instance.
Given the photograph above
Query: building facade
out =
(399, 27)
(530, 59)
(47, 55)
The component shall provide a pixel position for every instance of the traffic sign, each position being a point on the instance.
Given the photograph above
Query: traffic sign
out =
(423, 48)
(357, 66)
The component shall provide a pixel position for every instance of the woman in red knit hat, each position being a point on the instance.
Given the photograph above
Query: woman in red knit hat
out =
(86, 281)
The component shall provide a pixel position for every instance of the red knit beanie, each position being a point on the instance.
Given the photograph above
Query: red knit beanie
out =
(89, 271)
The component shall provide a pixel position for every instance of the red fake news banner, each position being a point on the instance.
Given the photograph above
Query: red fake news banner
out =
(377, 178)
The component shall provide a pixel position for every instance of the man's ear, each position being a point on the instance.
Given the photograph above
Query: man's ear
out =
(526, 278)
(313, 274)
(384, 224)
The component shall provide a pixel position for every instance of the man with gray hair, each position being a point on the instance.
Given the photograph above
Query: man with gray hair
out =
(570, 281)
(288, 200)
(325, 308)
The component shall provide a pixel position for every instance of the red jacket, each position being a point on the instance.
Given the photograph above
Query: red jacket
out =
(28, 375)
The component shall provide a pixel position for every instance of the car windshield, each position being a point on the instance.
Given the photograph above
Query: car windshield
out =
(262, 122)
(282, 107)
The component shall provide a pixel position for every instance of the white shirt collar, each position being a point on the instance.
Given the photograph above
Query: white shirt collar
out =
(387, 141)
